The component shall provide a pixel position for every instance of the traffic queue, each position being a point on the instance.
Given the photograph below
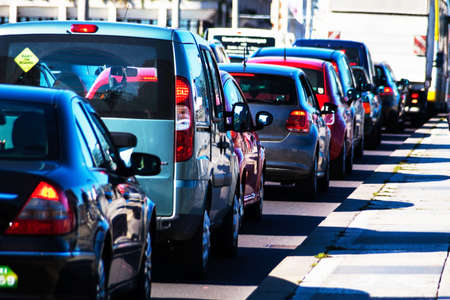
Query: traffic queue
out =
(127, 138)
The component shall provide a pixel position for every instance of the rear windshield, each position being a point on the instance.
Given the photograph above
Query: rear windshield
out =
(316, 79)
(122, 76)
(27, 131)
(352, 54)
(267, 89)
(360, 76)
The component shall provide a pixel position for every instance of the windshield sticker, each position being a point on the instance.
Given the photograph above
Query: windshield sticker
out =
(8, 279)
(26, 60)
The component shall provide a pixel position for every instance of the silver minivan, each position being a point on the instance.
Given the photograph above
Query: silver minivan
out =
(162, 85)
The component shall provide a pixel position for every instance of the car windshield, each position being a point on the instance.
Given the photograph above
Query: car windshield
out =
(316, 79)
(267, 89)
(122, 76)
(27, 131)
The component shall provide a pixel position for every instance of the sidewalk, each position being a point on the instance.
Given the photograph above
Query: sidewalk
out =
(388, 240)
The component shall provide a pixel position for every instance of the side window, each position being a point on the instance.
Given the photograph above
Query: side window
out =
(231, 94)
(91, 140)
(371, 67)
(88, 161)
(310, 97)
(201, 104)
(105, 142)
(214, 84)
(336, 85)
(240, 97)
(347, 75)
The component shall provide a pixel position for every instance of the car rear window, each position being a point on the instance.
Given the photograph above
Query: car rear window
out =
(27, 131)
(316, 79)
(360, 76)
(125, 77)
(267, 89)
(352, 55)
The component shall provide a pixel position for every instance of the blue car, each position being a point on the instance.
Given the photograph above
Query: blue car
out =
(74, 222)
(342, 66)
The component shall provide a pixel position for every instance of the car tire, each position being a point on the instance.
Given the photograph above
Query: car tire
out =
(324, 182)
(310, 185)
(198, 249)
(338, 166)
(349, 160)
(256, 210)
(229, 233)
(101, 291)
(143, 289)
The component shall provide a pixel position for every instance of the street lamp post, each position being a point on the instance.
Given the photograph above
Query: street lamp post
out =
(175, 13)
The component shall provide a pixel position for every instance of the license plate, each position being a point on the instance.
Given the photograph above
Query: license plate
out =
(8, 279)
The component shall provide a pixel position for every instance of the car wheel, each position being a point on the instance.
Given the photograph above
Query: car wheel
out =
(256, 210)
(349, 160)
(144, 284)
(230, 229)
(101, 292)
(311, 184)
(324, 182)
(198, 249)
(338, 165)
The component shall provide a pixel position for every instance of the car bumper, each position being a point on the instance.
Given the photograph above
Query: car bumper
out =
(290, 160)
(49, 275)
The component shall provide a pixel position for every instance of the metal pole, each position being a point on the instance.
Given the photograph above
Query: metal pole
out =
(235, 14)
(83, 10)
(175, 13)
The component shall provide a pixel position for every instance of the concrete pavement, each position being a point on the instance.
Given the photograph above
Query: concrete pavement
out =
(388, 240)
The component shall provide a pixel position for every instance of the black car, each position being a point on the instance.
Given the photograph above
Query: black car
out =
(73, 220)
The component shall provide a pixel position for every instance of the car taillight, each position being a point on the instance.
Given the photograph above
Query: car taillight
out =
(298, 121)
(367, 108)
(414, 95)
(83, 28)
(46, 212)
(387, 91)
(415, 101)
(184, 145)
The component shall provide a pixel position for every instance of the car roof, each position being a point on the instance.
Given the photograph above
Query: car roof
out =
(261, 69)
(307, 42)
(314, 63)
(312, 52)
(104, 28)
(34, 94)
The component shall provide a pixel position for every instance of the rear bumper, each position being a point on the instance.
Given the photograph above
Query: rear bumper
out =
(49, 275)
(291, 159)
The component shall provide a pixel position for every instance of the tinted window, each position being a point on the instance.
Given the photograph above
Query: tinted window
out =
(345, 73)
(380, 78)
(232, 94)
(353, 55)
(315, 78)
(268, 89)
(214, 83)
(360, 76)
(123, 76)
(201, 104)
(310, 97)
(336, 87)
(88, 161)
(27, 131)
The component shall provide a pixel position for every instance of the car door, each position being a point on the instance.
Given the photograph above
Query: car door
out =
(133, 197)
(317, 120)
(107, 198)
(221, 145)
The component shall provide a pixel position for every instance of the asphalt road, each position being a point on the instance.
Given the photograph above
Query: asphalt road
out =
(288, 219)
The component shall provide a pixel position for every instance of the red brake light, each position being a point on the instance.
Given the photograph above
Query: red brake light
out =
(184, 145)
(242, 74)
(46, 212)
(367, 108)
(415, 95)
(298, 121)
(83, 28)
(387, 90)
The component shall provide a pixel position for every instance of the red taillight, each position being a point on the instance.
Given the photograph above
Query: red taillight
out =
(184, 145)
(387, 91)
(298, 121)
(47, 212)
(414, 95)
(367, 108)
(83, 28)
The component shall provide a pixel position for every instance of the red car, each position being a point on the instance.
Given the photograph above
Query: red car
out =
(249, 151)
(326, 84)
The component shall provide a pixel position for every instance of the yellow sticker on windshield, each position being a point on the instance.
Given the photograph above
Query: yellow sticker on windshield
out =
(26, 60)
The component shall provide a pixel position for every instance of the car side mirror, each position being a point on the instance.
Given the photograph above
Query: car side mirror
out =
(263, 118)
(123, 140)
(145, 164)
(241, 119)
(328, 108)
